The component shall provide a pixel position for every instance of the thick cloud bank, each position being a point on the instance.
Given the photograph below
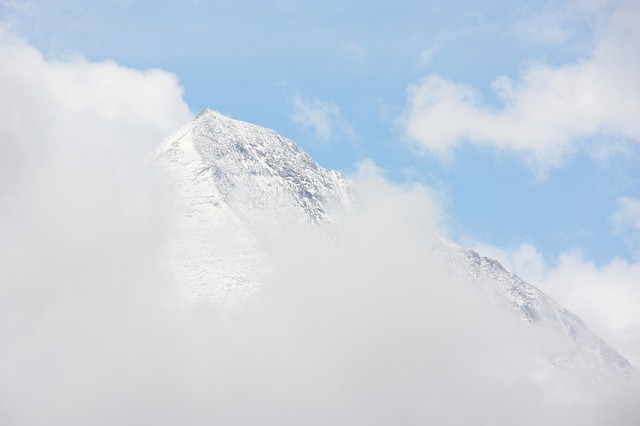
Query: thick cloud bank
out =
(368, 331)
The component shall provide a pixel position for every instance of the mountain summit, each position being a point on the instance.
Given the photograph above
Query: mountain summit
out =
(268, 172)
(234, 182)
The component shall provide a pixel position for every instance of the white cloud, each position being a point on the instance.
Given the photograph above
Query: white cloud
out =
(93, 108)
(82, 224)
(370, 331)
(73, 136)
(323, 117)
(546, 113)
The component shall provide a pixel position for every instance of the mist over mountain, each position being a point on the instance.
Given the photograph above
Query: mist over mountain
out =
(231, 280)
(238, 184)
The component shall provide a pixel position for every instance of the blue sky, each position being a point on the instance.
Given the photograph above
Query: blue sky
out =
(523, 114)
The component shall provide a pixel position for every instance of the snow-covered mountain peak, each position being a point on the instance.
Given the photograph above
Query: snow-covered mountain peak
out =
(256, 170)
(234, 181)
(209, 111)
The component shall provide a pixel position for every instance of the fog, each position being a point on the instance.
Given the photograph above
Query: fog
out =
(370, 330)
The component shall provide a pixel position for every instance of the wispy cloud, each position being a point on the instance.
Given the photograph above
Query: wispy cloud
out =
(16, 4)
(354, 49)
(549, 22)
(544, 28)
(626, 221)
(428, 54)
(627, 214)
(548, 111)
(323, 117)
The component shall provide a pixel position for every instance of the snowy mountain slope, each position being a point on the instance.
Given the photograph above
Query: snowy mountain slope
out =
(235, 182)
(588, 352)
